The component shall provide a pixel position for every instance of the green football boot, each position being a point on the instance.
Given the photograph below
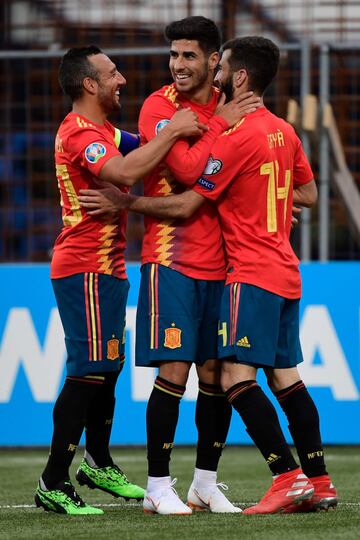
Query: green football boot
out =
(64, 500)
(110, 479)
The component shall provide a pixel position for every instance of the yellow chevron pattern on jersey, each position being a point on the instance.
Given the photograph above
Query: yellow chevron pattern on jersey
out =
(165, 184)
(171, 93)
(165, 243)
(109, 233)
(82, 124)
(237, 125)
(164, 236)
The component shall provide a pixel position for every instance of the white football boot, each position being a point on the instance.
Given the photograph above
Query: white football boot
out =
(165, 501)
(210, 498)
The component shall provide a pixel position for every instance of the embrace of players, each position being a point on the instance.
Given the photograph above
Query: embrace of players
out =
(220, 284)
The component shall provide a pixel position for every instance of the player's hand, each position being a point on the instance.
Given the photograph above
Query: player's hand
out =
(106, 201)
(296, 211)
(237, 108)
(185, 122)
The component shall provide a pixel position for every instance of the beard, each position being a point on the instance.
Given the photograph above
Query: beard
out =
(108, 101)
(228, 89)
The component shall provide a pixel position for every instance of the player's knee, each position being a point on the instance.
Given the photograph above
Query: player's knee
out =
(209, 372)
(226, 380)
(278, 379)
(175, 372)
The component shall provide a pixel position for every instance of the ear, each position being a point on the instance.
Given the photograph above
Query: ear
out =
(241, 78)
(90, 85)
(213, 60)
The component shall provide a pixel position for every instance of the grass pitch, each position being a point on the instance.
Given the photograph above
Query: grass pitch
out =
(242, 468)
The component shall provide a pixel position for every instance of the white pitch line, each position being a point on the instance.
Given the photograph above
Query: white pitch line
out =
(138, 505)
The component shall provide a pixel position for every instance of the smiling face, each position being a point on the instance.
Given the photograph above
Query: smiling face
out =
(224, 76)
(109, 81)
(191, 69)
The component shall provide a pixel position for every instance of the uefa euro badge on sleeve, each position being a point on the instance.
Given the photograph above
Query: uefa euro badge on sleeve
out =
(172, 337)
(113, 349)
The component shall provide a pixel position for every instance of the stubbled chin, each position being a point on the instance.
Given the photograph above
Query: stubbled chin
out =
(183, 84)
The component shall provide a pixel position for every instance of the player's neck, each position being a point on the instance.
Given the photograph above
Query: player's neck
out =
(90, 112)
(239, 91)
(201, 96)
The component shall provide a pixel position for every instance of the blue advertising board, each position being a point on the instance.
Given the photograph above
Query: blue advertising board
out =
(32, 359)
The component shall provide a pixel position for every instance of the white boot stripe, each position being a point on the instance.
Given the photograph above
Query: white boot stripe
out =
(294, 492)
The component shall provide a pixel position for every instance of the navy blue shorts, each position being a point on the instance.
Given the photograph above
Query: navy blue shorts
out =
(258, 328)
(177, 317)
(92, 309)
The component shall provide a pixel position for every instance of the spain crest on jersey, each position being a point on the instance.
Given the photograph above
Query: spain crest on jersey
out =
(112, 349)
(172, 338)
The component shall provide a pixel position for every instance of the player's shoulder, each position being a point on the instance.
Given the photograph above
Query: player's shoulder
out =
(165, 94)
(281, 123)
(75, 123)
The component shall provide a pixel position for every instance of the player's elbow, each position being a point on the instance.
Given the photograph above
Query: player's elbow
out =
(306, 195)
(117, 172)
(125, 180)
(311, 196)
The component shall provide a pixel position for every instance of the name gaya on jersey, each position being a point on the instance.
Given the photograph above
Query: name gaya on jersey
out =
(251, 174)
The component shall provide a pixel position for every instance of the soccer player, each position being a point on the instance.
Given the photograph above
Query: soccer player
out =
(183, 271)
(89, 278)
(256, 172)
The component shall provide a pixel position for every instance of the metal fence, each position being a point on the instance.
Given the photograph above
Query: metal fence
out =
(31, 107)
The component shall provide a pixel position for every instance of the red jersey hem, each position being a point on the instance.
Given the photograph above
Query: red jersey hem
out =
(209, 275)
(265, 286)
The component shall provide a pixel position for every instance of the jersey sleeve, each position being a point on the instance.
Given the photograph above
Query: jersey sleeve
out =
(91, 149)
(126, 142)
(220, 170)
(185, 162)
(302, 170)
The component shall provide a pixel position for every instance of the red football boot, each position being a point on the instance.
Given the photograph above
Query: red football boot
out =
(288, 489)
(323, 498)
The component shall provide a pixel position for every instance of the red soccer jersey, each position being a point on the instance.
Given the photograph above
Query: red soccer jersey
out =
(86, 243)
(252, 171)
(193, 247)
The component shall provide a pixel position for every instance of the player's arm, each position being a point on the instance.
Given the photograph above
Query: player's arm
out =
(209, 186)
(305, 194)
(305, 190)
(188, 162)
(127, 170)
(112, 200)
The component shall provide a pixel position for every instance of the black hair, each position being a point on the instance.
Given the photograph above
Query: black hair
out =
(74, 67)
(258, 55)
(197, 28)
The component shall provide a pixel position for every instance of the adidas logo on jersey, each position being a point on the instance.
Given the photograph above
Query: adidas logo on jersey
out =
(243, 342)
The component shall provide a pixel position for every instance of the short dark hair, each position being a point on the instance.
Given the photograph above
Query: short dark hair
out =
(198, 28)
(258, 55)
(74, 67)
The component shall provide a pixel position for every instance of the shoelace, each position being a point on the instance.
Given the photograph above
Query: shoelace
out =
(171, 486)
(223, 486)
(69, 490)
(119, 471)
